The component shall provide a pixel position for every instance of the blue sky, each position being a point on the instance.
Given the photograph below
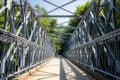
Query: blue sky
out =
(71, 7)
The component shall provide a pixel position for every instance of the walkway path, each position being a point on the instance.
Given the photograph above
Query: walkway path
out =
(59, 69)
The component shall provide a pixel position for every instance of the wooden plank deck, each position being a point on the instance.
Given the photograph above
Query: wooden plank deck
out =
(59, 69)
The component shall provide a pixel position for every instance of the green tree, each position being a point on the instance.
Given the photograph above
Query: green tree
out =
(118, 14)
(46, 22)
(50, 24)
(1, 15)
(40, 10)
(79, 11)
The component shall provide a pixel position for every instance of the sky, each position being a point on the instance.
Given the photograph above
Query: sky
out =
(71, 7)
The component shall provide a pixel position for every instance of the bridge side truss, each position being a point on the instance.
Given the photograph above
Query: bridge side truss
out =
(95, 43)
(24, 43)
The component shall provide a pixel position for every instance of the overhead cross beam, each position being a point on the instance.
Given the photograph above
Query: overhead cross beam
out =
(64, 22)
(62, 27)
(62, 33)
(61, 7)
(59, 42)
(60, 37)
(58, 16)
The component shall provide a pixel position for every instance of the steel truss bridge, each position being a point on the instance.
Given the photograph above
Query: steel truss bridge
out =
(25, 44)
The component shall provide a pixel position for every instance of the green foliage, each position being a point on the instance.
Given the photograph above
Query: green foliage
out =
(1, 22)
(46, 22)
(49, 24)
(117, 14)
(1, 16)
(1, 3)
(58, 47)
(56, 39)
(40, 10)
(82, 9)
(79, 11)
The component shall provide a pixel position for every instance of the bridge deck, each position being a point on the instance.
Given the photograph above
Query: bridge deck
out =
(59, 69)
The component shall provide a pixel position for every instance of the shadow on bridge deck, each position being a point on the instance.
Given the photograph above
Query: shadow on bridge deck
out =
(59, 69)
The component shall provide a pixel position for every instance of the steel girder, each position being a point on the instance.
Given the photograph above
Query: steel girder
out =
(63, 27)
(61, 7)
(58, 16)
(24, 43)
(95, 43)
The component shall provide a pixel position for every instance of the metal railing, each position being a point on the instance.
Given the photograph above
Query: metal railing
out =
(95, 43)
(24, 43)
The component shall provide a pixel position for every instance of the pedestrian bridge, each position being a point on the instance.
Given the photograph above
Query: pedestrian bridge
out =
(92, 51)
(59, 69)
